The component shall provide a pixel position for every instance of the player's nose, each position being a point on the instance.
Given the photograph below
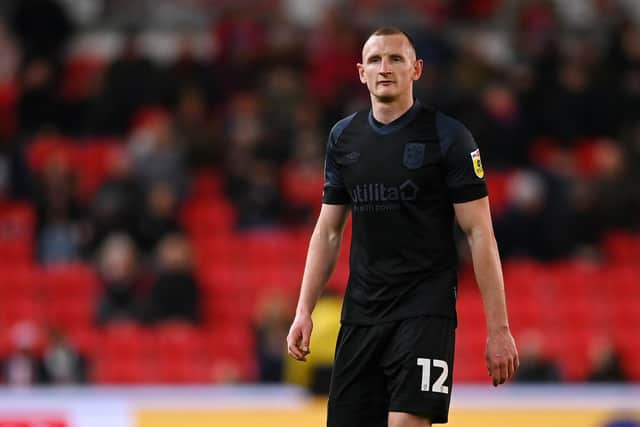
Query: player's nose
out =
(385, 66)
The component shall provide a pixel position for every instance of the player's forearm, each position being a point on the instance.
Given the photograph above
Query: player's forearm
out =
(321, 260)
(488, 272)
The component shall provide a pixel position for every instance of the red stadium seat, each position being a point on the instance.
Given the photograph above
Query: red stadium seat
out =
(73, 280)
(81, 75)
(572, 351)
(203, 218)
(183, 341)
(207, 184)
(233, 342)
(180, 354)
(621, 247)
(116, 372)
(68, 313)
(17, 233)
(220, 310)
(95, 159)
(45, 148)
(87, 340)
(20, 281)
(125, 341)
(20, 309)
(9, 92)
(621, 282)
(302, 187)
(576, 279)
(497, 184)
(124, 356)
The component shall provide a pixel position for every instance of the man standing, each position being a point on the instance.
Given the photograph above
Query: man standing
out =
(405, 172)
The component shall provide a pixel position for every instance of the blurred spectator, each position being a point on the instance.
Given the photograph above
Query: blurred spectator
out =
(23, 366)
(336, 39)
(189, 75)
(158, 218)
(271, 332)
(38, 104)
(59, 213)
(605, 363)
(158, 156)
(571, 107)
(174, 292)
(121, 281)
(499, 128)
(258, 197)
(241, 40)
(528, 228)
(129, 83)
(197, 130)
(617, 195)
(42, 26)
(116, 206)
(63, 363)
(534, 366)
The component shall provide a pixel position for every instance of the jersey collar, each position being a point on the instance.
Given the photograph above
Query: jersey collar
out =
(398, 123)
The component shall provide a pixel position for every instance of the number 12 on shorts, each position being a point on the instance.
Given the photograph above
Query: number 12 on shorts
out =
(438, 386)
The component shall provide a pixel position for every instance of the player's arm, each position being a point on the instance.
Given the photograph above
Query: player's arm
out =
(324, 247)
(475, 220)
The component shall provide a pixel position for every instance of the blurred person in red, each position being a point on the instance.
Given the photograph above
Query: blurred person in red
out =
(405, 172)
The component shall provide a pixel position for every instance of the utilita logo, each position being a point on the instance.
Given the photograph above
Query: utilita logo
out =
(368, 193)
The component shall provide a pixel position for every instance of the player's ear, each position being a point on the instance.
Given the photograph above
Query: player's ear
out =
(417, 69)
(361, 74)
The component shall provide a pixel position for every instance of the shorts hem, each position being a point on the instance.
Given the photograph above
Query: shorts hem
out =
(433, 415)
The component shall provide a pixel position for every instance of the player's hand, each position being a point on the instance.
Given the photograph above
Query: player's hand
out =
(299, 336)
(501, 356)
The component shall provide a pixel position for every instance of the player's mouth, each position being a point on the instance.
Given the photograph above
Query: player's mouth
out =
(385, 82)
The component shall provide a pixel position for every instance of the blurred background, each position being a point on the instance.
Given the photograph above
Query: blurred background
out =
(161, 169)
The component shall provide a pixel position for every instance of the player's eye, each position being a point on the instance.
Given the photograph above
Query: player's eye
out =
(396, 58)
(374, 59)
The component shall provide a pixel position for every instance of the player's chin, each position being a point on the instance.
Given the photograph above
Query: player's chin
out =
(385, 98)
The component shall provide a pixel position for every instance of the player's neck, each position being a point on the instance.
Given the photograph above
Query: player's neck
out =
(386, 112)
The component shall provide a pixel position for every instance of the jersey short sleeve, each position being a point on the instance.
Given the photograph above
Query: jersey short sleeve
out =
(464, 172)
(335, 192)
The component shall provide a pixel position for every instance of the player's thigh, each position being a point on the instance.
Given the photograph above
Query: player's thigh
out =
(403, 419)
(358, 392)
(419, 367)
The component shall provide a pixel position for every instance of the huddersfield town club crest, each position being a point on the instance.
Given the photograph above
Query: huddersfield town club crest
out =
(413, 155)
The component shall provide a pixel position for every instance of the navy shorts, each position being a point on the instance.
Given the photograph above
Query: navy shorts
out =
(403, 366)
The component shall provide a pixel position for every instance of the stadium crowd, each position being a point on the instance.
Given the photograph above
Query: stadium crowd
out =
(115, 156)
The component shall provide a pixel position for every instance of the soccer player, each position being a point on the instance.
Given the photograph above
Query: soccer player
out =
(404, 172)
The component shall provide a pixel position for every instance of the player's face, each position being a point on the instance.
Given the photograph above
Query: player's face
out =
(389, 67)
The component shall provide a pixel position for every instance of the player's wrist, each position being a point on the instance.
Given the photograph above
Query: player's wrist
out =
(498, 329)
(303, 313)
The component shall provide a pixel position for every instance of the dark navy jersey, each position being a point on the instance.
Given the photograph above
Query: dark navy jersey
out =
(401, 180)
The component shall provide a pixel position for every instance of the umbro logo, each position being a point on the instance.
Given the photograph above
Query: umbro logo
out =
(349, 158)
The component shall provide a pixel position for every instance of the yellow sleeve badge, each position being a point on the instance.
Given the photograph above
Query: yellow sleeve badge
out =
(477, 163)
